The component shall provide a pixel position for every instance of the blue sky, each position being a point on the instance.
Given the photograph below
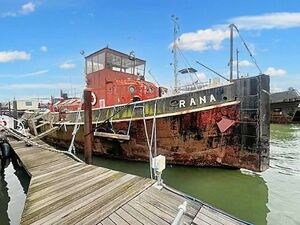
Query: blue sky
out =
(41, 40)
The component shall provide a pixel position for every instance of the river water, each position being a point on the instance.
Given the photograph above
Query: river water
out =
(271, 197)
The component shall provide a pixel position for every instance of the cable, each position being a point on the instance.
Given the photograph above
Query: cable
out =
(246, 46)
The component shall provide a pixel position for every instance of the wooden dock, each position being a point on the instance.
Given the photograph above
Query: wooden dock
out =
(65, 191)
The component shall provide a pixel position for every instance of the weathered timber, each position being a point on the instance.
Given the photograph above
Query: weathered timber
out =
(64, 191)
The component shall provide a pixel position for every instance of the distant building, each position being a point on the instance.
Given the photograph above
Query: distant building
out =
(27, 104)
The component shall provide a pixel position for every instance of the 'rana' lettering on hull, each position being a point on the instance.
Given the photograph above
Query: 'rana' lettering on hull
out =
(196, 101)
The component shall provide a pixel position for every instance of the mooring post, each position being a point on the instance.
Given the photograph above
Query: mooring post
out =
(9, 109)
(15, 113)
(88, 126)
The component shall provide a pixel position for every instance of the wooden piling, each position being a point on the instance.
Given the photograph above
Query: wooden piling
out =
(15, 113)
(88, 126)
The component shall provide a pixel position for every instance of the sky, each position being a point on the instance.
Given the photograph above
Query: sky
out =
(41, 40)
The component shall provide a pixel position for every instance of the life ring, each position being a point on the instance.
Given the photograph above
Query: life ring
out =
(3, 123)
(94, 98)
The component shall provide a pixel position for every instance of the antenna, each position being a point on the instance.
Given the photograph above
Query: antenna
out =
(231, 26)
(174, 50)
(237, 64)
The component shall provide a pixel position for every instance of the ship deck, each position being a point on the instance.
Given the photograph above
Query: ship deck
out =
(65, 191)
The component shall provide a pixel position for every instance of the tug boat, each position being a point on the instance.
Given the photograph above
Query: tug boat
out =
(213, 125)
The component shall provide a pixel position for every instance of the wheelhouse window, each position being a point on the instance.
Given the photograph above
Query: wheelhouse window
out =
(114, 60)
(95, 62)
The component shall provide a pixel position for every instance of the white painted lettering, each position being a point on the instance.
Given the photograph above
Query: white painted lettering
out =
(212, 98)
(192, 102)
(202, 99)
(181, 103)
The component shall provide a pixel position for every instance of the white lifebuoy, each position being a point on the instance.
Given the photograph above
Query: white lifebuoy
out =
(94, 98)
(3, 123)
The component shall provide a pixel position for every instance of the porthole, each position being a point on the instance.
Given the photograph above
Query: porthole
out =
(131, 89)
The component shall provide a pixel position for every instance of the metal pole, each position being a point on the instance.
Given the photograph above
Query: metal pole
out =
(9, 109)
(175, 61)
(88, 126)
(0, 109)
(237, 63)
(182, 210)
(231, 51)
(15, 113)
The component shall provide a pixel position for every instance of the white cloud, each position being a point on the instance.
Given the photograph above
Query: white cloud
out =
(10, 56)
(9, 14)
(37, 73)
(67, 65)
(280, 20)
(202, 40)
(42, 86)
(274, 88)
(44, 49)
(243, 63)
(212, 38)
(275, 72)
(25, 9)
(40, 72)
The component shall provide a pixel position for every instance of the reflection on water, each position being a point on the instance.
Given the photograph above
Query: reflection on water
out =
(283, 177)
(14, 183)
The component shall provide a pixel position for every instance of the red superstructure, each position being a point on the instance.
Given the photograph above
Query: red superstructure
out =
(117, 78)
(114, 78)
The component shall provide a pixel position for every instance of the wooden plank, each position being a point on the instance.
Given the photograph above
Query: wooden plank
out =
(198, 221)
(161, 214)
(127, 217)
(42, 170)
(137, 215)
(60, 180)
(222, 218)
(134, 204)
(81, 203)
(118, 200)
(209, 220)
(107, 221)
(112, 135)
(74, 183)
(47, 132)
(172, 202)
(70, 195)
(42, 124)
(58, 171)
(117, 219)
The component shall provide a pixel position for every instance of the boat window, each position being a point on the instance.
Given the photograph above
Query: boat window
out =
(139, 69)
(95, 62)
(98, 62)
(113, 62)
(89, 65)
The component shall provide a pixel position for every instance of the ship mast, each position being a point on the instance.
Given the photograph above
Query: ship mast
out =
(231, 26)
(237, 64)
(174, 50)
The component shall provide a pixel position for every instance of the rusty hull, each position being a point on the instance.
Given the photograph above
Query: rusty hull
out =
(190, 135)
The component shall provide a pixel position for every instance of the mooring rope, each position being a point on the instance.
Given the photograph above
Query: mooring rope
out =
(31, 142)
